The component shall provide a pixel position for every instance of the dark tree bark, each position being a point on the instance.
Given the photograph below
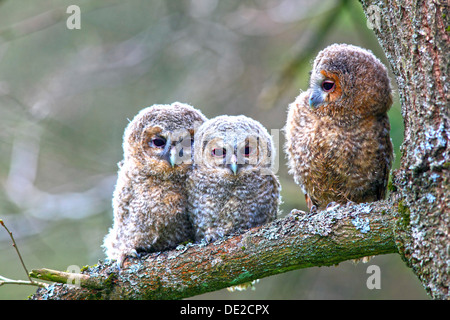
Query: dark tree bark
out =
(414, 221)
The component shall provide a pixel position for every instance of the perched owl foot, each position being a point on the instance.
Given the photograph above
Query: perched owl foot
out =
(350, 203)
(123, 256)
(332, 205)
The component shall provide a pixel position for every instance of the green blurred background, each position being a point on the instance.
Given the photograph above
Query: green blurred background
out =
(66, 96)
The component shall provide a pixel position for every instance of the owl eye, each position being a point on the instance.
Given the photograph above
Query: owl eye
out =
(246, 151)
(219, 152)
(328, 85)
(158, 142)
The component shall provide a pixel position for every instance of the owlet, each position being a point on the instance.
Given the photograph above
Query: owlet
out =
(232, 185)
(149, 200)
(337, 132)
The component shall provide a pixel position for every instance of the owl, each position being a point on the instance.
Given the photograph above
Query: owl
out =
(149, 200)
(337, 132)
(232, 185)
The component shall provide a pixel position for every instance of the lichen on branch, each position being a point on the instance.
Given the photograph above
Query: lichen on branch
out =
(299, 240)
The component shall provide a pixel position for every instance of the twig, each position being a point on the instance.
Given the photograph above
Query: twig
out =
(4, 280)
(67, 277)
(30, 281)
(17, 249)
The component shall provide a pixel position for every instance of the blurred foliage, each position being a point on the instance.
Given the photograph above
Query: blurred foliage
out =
(66, 96)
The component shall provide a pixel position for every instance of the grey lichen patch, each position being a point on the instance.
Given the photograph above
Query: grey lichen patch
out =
(361, 224)
(431, 141)
(313, 223)
(49, 292)
(272, 233)
(324, 222)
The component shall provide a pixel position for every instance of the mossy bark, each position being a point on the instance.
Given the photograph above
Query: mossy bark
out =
(297, 241)
(416, 39)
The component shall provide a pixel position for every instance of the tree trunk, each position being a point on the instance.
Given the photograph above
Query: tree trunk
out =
(413, 222)
(415, 38)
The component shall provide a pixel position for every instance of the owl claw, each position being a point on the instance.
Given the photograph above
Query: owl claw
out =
(350, 203)
(119, 263)
(133, 253)
(332, 205)
(313, 209)
(123, 256)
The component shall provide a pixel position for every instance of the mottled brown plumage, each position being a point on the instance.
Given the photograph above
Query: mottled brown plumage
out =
(337, 132)
(149, 200)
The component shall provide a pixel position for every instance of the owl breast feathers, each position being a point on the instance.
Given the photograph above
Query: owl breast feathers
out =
(149, 200)
(337, 132)
(232, 185)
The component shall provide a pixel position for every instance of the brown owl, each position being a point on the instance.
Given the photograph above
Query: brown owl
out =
(337, 132)
(232, 186)
(149, 200)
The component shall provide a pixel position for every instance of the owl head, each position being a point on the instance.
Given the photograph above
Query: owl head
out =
(348, 81)
(159, 139)
(234, 145)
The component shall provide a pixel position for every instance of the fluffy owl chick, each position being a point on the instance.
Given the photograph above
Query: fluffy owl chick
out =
(232, 185)
(337, 132)
(149, 200)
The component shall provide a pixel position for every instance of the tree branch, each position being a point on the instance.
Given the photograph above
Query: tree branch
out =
(299, 240)
(4, 280)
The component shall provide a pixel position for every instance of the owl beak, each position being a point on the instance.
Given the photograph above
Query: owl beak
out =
(173, 156)
(233, 164)
(315, 99)
(170, 153)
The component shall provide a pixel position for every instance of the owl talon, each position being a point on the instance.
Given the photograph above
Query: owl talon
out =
(119, 262)
(134, 254)
(332, 205)
(123, 256)
(350, 203)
